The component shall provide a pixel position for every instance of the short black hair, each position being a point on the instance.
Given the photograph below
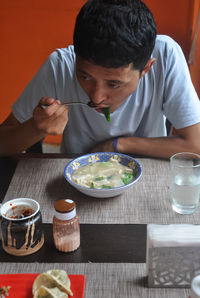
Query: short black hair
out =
(115, 33)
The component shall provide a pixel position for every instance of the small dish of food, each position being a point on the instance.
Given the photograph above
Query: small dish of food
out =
(53, 283)
(103, 174)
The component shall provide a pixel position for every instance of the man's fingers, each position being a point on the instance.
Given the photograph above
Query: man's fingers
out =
(46, 101)
(54, 110)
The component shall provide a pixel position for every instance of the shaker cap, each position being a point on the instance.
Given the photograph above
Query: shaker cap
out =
(65, 209)
(64, 205)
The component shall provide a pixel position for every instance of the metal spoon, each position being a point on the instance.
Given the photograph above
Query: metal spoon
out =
(89, 104)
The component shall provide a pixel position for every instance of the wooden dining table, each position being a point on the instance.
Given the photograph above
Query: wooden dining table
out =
(112, 254)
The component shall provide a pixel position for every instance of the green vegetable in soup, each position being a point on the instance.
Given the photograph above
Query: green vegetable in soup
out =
(128, 177)
(103, 178)
(106, 186)
(91, 185)
(106, 112)
(99, 179)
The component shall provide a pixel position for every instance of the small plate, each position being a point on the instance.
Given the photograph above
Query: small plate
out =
(21, 284)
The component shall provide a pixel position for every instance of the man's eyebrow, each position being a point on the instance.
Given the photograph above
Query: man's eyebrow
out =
(115, 81)
(83, 72)
(109, 81)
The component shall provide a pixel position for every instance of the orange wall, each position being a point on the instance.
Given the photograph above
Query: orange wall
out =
(173, 17)
(195, 62)
(31, 30)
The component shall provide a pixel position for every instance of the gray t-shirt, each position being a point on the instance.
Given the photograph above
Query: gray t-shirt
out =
(166, 91)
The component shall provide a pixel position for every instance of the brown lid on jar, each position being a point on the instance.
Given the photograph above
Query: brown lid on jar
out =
(64, 205)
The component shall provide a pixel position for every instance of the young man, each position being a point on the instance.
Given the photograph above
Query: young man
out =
(119, 62)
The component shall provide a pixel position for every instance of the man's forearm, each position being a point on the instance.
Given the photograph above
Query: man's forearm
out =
(187, 139)
(18, 138)
(162, 147)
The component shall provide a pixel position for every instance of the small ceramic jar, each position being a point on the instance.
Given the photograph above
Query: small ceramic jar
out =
(66, 227)
(21, 227)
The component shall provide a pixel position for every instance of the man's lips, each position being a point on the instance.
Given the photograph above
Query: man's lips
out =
(99, 110)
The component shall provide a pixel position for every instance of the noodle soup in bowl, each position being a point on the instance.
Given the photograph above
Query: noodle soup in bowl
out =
(103, 174)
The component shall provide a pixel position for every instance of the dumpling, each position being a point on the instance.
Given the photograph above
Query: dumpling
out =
(53, 279)
(44, 292)
(61, 278)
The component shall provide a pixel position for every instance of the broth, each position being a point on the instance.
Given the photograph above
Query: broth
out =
(101, 175)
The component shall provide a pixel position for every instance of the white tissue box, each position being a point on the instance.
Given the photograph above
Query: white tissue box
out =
(172, 254)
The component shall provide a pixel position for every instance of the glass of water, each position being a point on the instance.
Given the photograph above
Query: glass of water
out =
(185, 182)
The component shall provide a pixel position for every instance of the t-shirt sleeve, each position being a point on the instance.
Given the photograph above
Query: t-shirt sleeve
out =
(181, 103)
(42, 84)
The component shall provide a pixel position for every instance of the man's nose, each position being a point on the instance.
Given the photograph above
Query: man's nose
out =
(97, 94)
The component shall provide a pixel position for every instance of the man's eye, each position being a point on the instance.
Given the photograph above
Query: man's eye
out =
(114, 86)
(84, 77)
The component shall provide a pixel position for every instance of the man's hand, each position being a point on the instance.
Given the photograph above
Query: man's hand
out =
(107, 146)
(50, 117)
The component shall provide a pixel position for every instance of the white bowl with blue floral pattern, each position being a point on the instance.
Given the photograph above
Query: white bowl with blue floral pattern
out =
(84, 160)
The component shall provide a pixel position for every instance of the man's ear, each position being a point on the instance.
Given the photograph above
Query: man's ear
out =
(147, 66)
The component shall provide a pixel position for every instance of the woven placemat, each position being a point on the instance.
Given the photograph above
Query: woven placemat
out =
(105, 279)
(147, 201)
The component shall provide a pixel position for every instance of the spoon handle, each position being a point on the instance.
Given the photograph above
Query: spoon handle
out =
(73, 103)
